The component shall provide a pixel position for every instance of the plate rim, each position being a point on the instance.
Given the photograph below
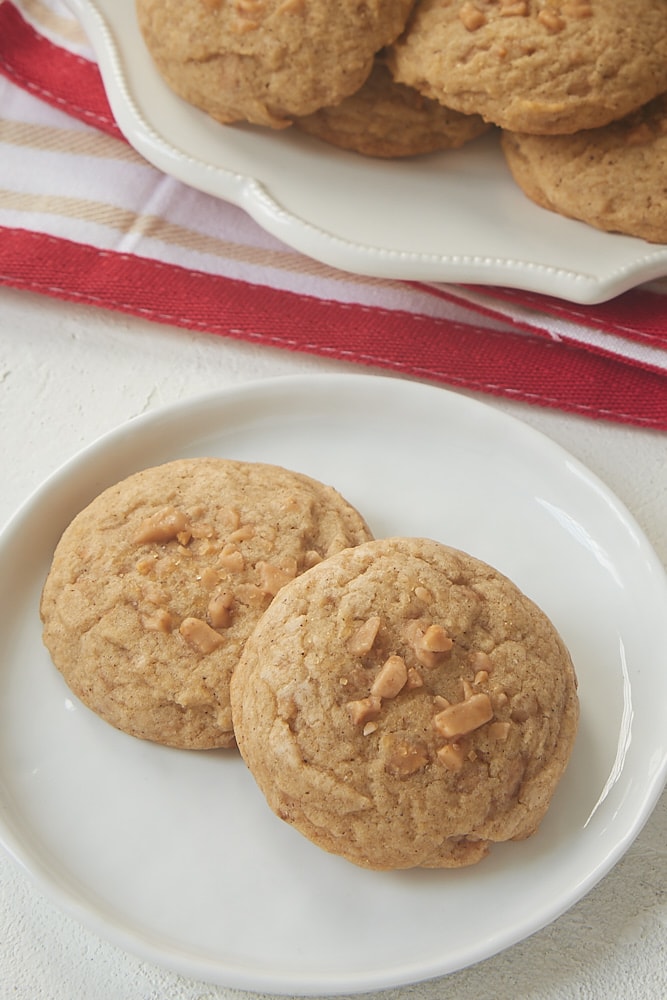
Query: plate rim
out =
(253, 196)
(284, 386)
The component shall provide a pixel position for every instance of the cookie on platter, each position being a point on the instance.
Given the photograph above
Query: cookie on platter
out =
(265, 61)
(387, 119)
(536, 66)
(612, 178)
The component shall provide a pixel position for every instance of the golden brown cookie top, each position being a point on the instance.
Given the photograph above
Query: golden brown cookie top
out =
(539, 66)
(404, 704)
(155, 586)
(265, 61)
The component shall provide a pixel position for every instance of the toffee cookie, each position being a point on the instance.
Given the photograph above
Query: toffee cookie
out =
(536, 66)
(388, 119)
(265, 61)
(156, 584)
(404, 704)
(613, 178)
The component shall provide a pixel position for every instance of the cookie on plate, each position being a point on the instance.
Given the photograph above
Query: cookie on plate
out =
(613, 178)
(536, 66)
(404, 704)
(388, 119)
(265, 61)
(156, 584)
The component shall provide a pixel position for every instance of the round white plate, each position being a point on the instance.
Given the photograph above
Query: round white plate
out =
(175, 855)
(454, 217)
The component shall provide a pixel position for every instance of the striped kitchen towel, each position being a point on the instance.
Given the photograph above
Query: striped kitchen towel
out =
(85, 218)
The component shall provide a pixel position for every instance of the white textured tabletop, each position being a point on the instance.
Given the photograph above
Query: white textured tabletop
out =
(67, 375)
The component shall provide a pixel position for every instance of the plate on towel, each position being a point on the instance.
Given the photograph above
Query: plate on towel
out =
(450, 217)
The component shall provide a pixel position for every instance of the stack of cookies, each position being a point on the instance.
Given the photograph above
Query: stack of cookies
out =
(399, 702)
(573, 87)
(315, 65)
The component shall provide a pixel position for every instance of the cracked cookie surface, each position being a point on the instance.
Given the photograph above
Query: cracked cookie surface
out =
(404, 704)
(536, 66)
(156, 584)
(265, 61)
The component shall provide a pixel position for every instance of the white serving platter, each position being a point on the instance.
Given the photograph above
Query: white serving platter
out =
(451, 217)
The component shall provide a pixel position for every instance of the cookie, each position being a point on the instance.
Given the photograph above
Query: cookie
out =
(265, 61)
(404, 704)
(534, 65)
(156, 584)
(387, 119)
(613, 178)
